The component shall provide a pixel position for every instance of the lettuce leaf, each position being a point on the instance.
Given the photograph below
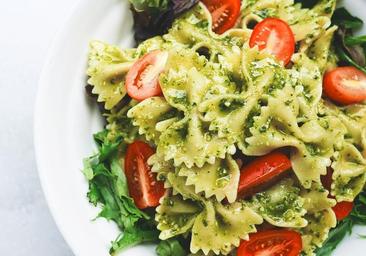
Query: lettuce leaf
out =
(108, 189)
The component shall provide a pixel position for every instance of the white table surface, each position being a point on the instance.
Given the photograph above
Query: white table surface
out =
(27, 28)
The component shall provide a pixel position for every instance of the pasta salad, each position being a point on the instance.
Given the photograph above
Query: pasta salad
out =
(236, 128)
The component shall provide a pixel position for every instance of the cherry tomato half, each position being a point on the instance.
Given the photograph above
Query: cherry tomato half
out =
(276, 37)
(341, 209)
(142, 80)
(345, 85)
(142, 184)
(261, 171)
(272, 242)
(224, 13)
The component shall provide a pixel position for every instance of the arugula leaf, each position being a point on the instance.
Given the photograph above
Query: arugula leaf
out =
(342, 17)
(355, 40)
(342, 55)
(358, 213)
(171, 247)
(132, 237)
(348, 52)
(100, 137)
(94, 194)
(344, 227)
(335, 236)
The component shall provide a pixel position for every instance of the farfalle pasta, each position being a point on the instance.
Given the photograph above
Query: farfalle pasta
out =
(221, 102)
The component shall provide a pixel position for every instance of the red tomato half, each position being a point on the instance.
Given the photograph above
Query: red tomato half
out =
(224, 13)
(276, 37)
(272, 243)
(142, 80)
(142, 184)
(261, 171)
(341, 209)
(345, 85)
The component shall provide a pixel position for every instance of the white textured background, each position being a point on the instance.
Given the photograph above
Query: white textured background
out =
(27, 28)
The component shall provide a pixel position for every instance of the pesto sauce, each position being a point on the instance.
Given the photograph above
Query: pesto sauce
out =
(229, 105)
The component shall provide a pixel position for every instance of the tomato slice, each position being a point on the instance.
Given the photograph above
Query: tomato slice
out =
(341, 209)
(272, 243)
(345, 85)
(224, 13)
(262, 171)
(276, 37)
(142, 80)
(145, 190)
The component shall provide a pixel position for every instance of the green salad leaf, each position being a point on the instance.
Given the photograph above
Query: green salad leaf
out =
(108, 189)
(349, 49)
(344, 227)
(342, 17)
(171, 247)
(336, 235)
(143, 5)
(355, 40)
(358, 215)
(134, 236)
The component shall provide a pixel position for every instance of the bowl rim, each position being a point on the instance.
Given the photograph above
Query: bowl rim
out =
(38, 118)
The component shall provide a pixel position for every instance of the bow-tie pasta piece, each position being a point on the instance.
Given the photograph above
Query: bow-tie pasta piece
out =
(349, 173)
(320, 217)
(185, 83)
(151, 114)
(219, 179)
(107, 68)
(176, 216)
(219, 228)
(281, 205)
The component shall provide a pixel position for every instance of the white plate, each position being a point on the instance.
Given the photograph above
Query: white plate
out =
(65, 120)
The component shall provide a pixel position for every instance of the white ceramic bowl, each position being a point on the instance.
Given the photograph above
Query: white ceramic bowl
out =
(65, 120)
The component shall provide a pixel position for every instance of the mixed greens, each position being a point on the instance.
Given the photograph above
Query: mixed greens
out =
(108, 189)
(349, 49)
